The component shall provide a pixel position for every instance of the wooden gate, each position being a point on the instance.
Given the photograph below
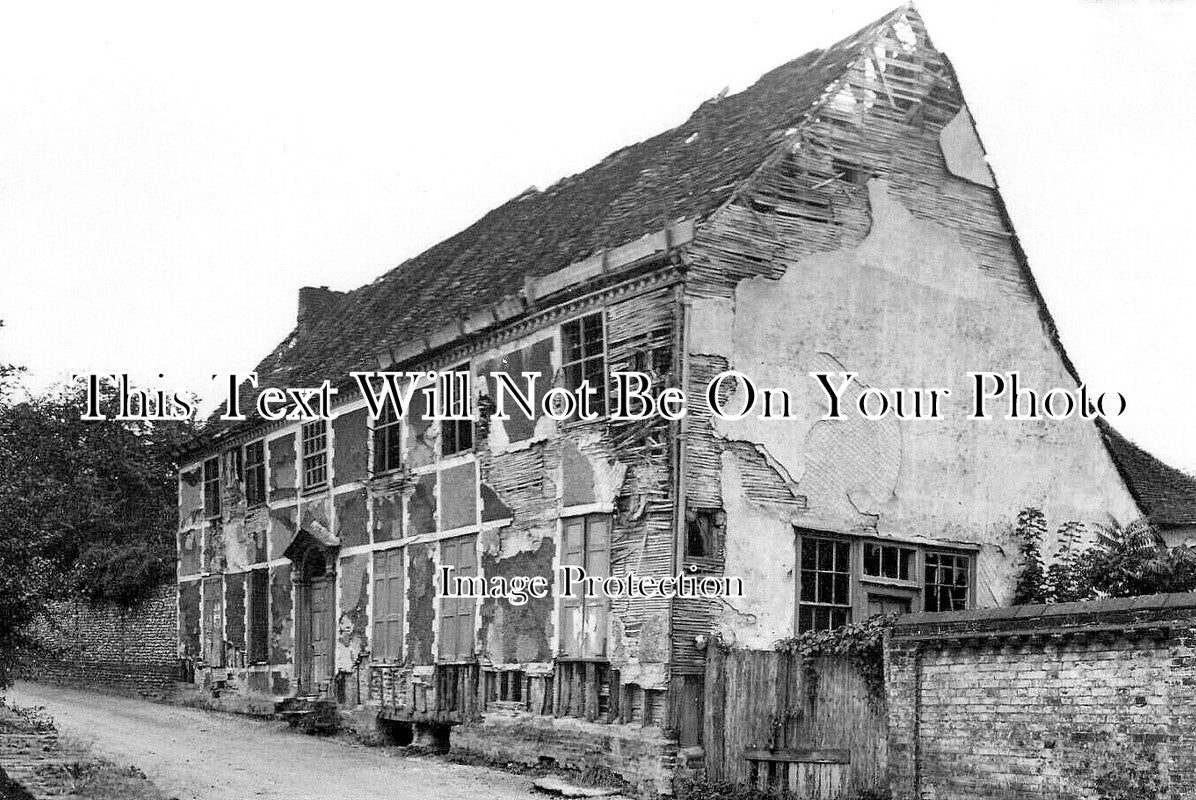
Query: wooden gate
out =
(767, 726)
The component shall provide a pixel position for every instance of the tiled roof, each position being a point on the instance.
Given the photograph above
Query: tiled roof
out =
(1165, 494)
(685, 173)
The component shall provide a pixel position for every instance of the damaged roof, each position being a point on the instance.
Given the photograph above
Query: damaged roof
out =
(1165, 494)
(686, 173)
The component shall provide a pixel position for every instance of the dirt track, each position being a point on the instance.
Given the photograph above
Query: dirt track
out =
(201, 755)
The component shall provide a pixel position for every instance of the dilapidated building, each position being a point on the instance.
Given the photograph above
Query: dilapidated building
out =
(838, 215)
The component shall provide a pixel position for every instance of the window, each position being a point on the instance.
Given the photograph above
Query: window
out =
(259, 616)
(946, 582)
(388, 606)
(700, 527)
(255, 473)
(826, 575)
(315, 454)
(585, 357)
(456, 435)
(388, 453)
(585, 544)
(211, 487)
(456, 613)
(889, 561)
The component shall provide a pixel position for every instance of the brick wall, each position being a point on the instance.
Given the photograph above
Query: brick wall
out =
(130, 651)
(1069, 701)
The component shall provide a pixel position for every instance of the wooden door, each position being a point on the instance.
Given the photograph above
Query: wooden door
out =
(321, 631)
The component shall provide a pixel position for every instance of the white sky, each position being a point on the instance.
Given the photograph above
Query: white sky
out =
(171, 175)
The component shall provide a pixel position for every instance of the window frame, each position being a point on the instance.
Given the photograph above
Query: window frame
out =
(320, 453)
(864, 589)
(382, 429)
(456, 426)
(456, 640)
(572, 645)
(257, 632)
(211, 487)
(852, 576)
(603, 388)
(254, 474)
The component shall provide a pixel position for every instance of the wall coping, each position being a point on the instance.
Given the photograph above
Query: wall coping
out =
(1149, 614)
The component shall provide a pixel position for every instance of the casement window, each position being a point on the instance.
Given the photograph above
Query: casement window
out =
(586, 544)
(826, 578)
(388, 452)
(456, 613)
(315, 454)
(584, 359)
(388, 606)
(947, 579)
(841, 579)
(255, 473)
(211, 487)
(456, 435)
(259, 616)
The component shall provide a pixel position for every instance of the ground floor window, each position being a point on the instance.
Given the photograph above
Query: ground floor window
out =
(846, 578)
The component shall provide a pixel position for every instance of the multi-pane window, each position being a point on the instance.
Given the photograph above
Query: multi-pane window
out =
(315, 453)
(388, 606)
(889, 561)
(259, 615)
(456, 435)
(456, 613)
(388, 430)
(585, 544)
(211, 487)
(826, 575)
(585, 357)
(255, 473)
(946, 582)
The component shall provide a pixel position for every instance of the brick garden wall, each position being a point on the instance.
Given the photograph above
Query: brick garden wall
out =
(105, 647)
(1068, 701)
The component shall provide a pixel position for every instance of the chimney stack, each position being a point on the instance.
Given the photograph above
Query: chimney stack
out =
(314, 303)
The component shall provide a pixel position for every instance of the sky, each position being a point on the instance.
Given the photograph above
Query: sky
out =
(171, 175)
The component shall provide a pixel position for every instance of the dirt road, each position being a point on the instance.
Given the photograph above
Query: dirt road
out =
(202, 755)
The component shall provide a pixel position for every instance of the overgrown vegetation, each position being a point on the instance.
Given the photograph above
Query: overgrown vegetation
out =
(1122, 561)
(862, 643)
(87, 509)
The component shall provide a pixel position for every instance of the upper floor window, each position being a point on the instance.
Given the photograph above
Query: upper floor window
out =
(889, 561)
(584, 357)
(388, 453)
(456, 435)
(946, 582)
(211, 487)
(255, 473)
(315, 453)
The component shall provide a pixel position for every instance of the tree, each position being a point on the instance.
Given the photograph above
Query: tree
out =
(87, 509)
(1031, 580)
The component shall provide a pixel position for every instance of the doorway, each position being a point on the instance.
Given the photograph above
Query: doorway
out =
(314, 630)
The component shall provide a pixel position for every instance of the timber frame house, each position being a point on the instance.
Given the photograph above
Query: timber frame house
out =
(839, 214)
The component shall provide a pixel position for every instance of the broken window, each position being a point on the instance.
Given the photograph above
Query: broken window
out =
(586, 544)
(388, 606)
(700, 533)
(848, 172)
(826, 575)
(213, 621)
(456, 435)
(456, 613)
(259, 616)
(255, 473)
(946, 582)
(584, 357)
(388, 453)
(211, 487)
(315, 453)
(889, 561)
